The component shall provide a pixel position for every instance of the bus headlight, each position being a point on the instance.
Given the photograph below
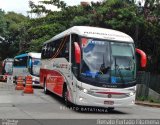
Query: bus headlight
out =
(131, 93)
(84, 90)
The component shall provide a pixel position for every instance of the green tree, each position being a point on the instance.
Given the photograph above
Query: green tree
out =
(140, 22)
(3, 24)
(3, 32)
(12, 25)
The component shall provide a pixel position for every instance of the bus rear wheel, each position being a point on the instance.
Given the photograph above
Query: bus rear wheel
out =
(45, 88)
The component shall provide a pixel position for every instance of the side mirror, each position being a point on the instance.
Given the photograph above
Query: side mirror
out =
(77, 53)
(143, 58)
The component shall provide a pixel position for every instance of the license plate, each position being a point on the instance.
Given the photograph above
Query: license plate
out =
(109, 102)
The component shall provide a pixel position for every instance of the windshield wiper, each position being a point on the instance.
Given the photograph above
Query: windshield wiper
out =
(119, 71)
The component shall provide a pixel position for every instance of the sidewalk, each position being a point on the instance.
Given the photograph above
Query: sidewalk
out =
(150, 104)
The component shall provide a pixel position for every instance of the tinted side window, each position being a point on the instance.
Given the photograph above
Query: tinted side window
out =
(65, 49)
(48, 51)
(21, 61)
(44, 51)
(56, 49)
(60, 48)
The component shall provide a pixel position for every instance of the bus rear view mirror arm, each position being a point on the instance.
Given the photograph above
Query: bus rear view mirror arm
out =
(77, 53)
(143, 60)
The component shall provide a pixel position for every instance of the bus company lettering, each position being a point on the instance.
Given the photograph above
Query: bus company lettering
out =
(61, 65)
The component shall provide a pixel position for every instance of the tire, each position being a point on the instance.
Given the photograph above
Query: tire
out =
(110, 109)
(45, 88)
(65, 97)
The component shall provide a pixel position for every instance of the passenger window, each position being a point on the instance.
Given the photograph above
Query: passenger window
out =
(65, 49)
(56, 49)
(44, 51)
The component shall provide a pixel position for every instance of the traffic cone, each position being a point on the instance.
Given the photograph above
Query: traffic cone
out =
(19, 85)
(28, 88)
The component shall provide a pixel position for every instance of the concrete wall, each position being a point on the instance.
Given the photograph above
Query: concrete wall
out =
(154, 94)
(146, 92)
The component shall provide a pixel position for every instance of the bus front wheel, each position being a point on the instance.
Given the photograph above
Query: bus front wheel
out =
(65, 96)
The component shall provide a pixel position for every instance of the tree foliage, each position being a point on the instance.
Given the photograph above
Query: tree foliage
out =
(12, 33)
(139, 21)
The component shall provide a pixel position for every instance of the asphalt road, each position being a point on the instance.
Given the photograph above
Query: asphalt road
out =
(40, 109)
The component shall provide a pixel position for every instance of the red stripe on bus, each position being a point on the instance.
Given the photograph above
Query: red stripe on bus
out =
(114, 93)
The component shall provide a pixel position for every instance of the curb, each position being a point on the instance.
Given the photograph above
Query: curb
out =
(147, 104)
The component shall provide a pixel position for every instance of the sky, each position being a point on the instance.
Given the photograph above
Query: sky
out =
(21, 6)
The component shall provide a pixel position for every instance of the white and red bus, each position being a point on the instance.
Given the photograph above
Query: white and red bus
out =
(91, 66)
(7, 68)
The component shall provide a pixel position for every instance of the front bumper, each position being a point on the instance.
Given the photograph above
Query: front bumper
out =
(85, 99)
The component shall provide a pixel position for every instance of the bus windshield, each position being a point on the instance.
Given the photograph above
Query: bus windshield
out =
(8, 67)
(35, 66)
(123, 63)
(107, 62)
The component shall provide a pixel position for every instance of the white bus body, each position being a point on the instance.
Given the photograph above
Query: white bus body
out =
(90, 66)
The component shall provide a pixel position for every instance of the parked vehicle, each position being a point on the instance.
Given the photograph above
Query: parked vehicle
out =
(27, 64)
(7, 68)
(91, 66)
